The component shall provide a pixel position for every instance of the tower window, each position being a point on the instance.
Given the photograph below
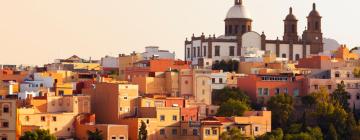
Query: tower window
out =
(243, 28)
(217, 50)
(293, 28)
(204, 50)
(297, 57)
(230, 29)
(316, 26)
(249, 28)
(236, 29)
(188, 52)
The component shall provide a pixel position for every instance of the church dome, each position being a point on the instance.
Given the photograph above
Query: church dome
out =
(290, 16)
(238, 11)
(314, 12)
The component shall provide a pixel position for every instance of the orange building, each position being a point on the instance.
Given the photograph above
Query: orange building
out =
(261, 87)
(8, 115)
(150, 67)
(7, 75)
(343, 53)
(319, 62)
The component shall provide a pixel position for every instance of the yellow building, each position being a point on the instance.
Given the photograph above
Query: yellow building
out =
(127, 61)
(65, 89)
(343, 53)
(54, 113)
(8, 119)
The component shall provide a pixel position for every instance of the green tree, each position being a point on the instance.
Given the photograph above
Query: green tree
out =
(223, 95)
(341, 96)
(232, 134)
(332, 134)
(38, 134)
(282, 107)
(276, 134)
(232, 108)
(143, 131)
(96, 135)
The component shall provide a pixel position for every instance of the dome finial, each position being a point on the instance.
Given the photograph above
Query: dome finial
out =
(290, 10)
(238, 2)
(314, 6)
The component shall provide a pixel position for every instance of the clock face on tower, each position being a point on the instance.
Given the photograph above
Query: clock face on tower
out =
(316, 38)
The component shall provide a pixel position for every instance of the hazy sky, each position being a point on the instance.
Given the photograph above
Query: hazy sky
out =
(39, 31)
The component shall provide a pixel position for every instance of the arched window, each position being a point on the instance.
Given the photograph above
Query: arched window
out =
(230, 29)
(293, 28)
(316, 25)
(243, 29)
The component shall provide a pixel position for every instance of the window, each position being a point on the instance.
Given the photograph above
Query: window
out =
(316, 86)
(230, 29)
(147, 121)
(236, 29)
(183, 118)
(220, 80)
(43, 118)
(260, 91)
(61, 92)
(6, 109)
(203, 82)
(184, 132)
(204, 50)
(55, 129)
(217, 50)
(27, 118)
(213, 80)
(207, 132)
(162, 117)
(283, 55)
(256, 128)
(297, 57)
(121, 137)
(296, 92)
(3, 138)
(54, 119)
(198, 52)
(358, 96)
(243, 29)
(293, 28)
(316, 25)
(195, 132)
(174, 132)
(188, 52)
(266, 91)
(68, 129)
(162, 131)
(113, 138)
(174, 118)
(125, 97)
(285, 91)
(329, 87)
(249, 28)
(5, 124)
(337, 74)
(214, 131)
(277, 91)
(232, 51)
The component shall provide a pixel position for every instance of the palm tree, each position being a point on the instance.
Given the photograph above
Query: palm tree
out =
(96, 135)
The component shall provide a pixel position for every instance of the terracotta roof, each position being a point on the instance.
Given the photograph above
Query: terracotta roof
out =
(224, 119)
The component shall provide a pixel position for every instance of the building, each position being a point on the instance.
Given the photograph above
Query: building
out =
(120, 101)
(8, 119)
(196, 83)
(151, 67)
(126, 61)
(54, 113)
(85, 123)
(240, 41)
(343, 53)
(110, 65)
(261, 87)
(7, 75)
(218, 79)
(154, 52)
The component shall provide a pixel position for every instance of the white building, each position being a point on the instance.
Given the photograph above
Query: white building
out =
(240, 41)
(219, 80)
(153, 51)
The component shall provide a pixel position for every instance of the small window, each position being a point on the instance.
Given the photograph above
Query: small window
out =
(220, 80)
(5, 124)
(147, 121)
(27, 118)
(68, 129)
(217, 50)
(316, 86)
(204, 50)
(121, 137)
(6, 109)
(113, 138)
(213, 80)
(162, 117)
(195, 132)
(256, 128)
(232, 51)
(283, 55)
(174, 131)
(329, 87)
(174, 118)
(182, 118)
(55, 129)
(188, 52)
(54, 118)
(214, 131)
(4, 138)
(125, 97)
(43, 118)
(162, 131)
(207, 132)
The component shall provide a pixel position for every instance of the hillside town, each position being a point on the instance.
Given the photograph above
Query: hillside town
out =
(237, 86)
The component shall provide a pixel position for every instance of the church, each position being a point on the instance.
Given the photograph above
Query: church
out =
(241, 43)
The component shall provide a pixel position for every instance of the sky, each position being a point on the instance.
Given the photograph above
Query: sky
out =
(36, 32)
